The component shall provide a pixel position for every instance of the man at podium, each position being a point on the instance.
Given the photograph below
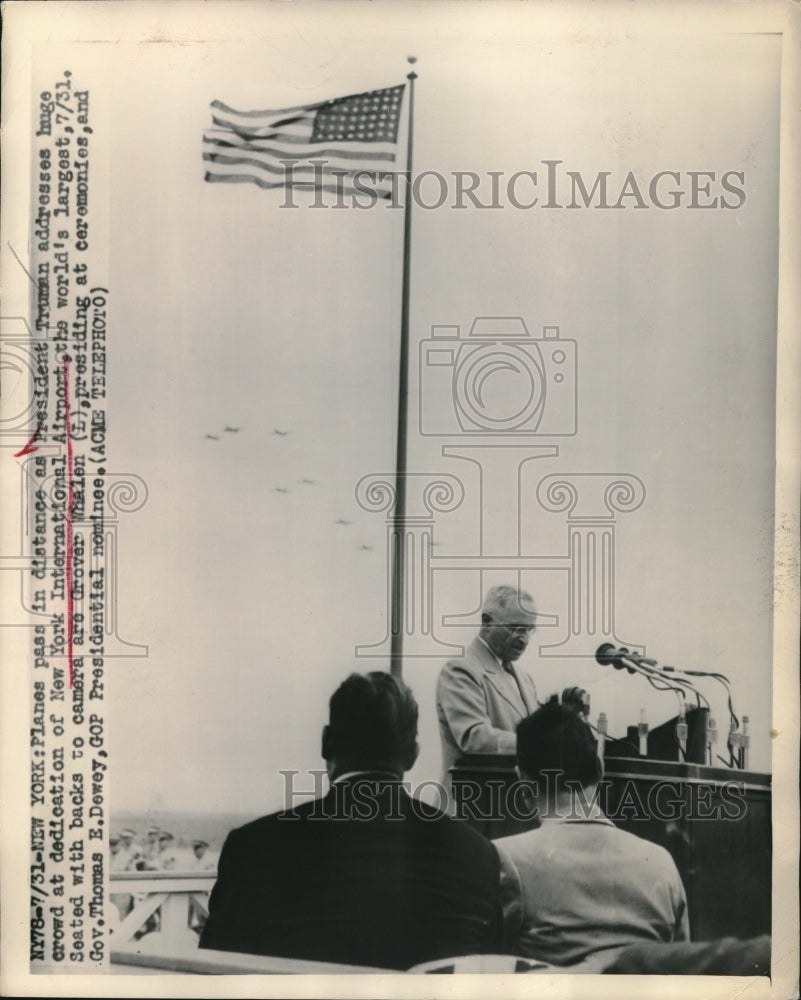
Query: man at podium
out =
(482, 696)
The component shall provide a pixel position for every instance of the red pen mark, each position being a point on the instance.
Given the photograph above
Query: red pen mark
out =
(29, 449)
(70, 504)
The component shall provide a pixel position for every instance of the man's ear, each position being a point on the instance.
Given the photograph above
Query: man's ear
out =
(326, 744)
(485, 618)
(411, 756)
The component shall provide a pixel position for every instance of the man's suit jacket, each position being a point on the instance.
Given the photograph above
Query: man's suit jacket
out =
(579, 885)
(404, 884)
(479, 705)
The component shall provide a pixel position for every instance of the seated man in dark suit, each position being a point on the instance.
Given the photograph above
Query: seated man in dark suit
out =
(366, 875)
(578, 885)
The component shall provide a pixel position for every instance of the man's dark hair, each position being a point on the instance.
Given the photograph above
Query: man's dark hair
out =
(372, 721)
(556, 738)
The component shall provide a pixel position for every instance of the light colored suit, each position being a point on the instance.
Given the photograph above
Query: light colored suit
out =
(577, 886)
(479, 705)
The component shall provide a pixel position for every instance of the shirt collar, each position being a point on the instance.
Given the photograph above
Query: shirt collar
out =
(386, 775)
(595, 815)
(497, 659)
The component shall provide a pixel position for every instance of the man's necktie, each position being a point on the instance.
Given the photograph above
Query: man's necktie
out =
(509, 668)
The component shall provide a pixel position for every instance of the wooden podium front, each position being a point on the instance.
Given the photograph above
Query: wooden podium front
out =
(714, 821)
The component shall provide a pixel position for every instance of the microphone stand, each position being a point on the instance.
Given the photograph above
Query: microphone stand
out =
(657, 680)
(652, 674)
(655, 675)
(735, 740)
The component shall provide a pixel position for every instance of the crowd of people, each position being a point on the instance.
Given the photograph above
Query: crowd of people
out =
(156, 852)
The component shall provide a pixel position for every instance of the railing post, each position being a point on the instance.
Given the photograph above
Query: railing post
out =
(175, 933)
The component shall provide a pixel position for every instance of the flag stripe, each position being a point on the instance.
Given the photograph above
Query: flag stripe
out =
(269, 185)
(277, 153)
(316, 169)
(265, 114)
(223, 137)
(380, 184)
(296, 132)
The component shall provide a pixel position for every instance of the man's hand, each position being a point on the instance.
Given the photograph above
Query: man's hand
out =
(577, 699)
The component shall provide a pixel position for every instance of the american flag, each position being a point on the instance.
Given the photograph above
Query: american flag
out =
(347, 136)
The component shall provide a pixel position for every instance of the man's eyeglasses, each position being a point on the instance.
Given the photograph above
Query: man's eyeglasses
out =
(514, 629)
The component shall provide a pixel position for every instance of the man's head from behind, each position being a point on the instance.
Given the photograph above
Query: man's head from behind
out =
(555, 738)
(508, 620)
(372, 725)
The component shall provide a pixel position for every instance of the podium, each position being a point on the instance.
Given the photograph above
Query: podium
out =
(714, 821)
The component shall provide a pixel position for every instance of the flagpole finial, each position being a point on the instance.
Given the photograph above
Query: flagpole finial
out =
(411, 60)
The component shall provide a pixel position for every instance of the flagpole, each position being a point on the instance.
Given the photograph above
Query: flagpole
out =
(398, 555)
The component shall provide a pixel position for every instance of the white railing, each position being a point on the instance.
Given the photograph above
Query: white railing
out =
(173, 903)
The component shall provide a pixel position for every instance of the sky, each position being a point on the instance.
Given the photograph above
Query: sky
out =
(231, 311)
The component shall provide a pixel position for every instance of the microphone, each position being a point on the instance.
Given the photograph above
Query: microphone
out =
(603, 731)
(607, 654)
(635, 664)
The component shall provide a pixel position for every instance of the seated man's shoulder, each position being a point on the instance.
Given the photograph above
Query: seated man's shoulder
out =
(476, 841)
(274, 823)
(425, 811)
(635, 846)
(519, 845)
(455, 831)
